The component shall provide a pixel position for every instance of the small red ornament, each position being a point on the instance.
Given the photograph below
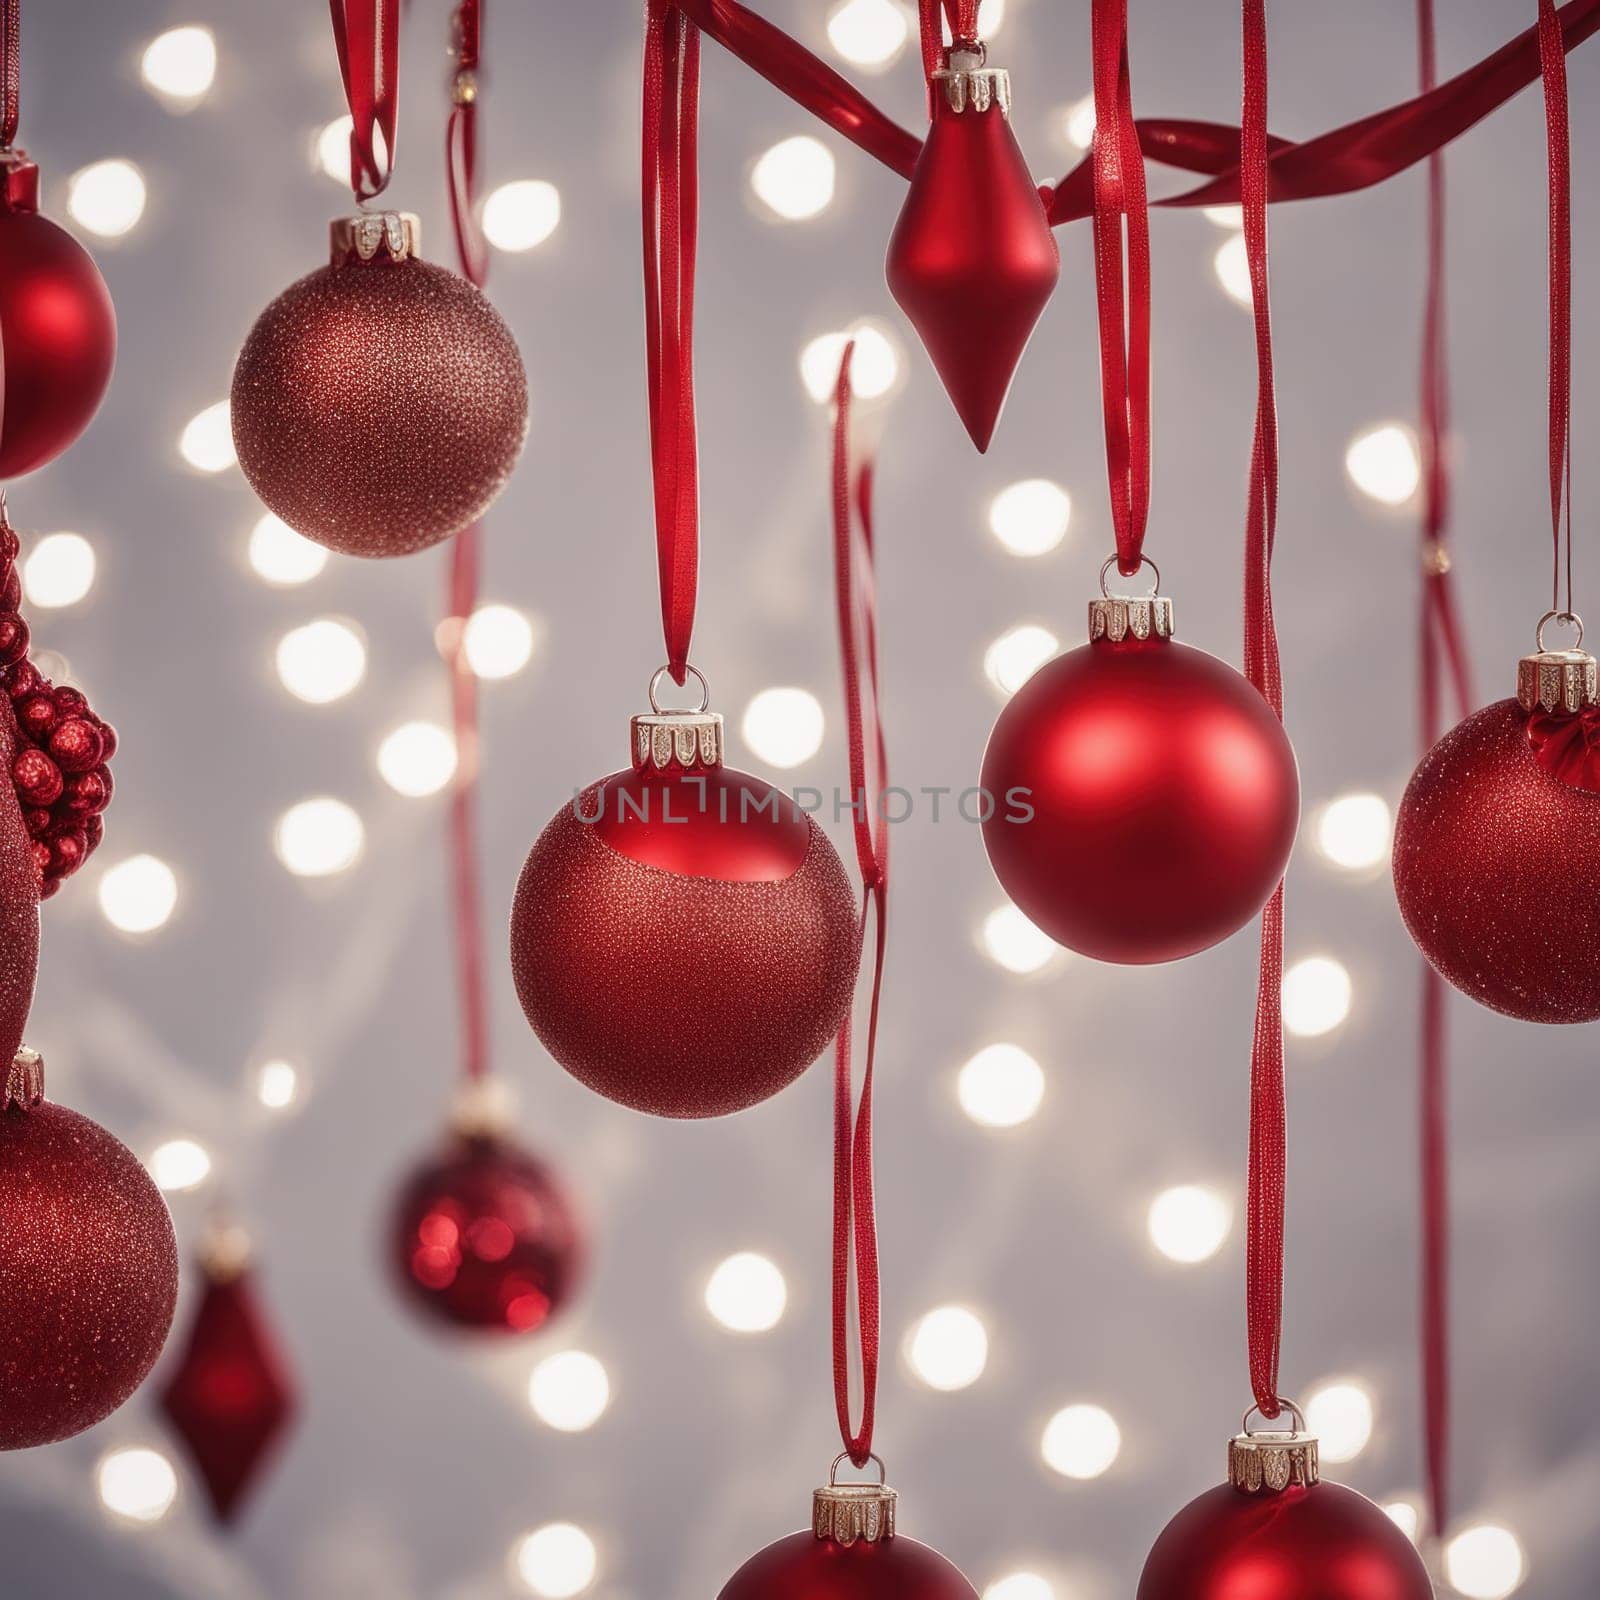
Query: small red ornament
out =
(684, 937)
(1497, 848)
(57, 327)
(1275, 1532)
(88, 1267)
(484, 1236)
(380, 403)
(972, 261)
(851, 1553)
(230, 1397)
(1141, 797)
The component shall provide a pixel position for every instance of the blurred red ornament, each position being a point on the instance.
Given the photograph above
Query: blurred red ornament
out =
(1497, 849)
(88, 1267)
(851, 1553)
(972, 261)
(230, 1397)
(684, 937)
(484, 1237)
(1142, 797)
(57, 327)
(380, 403)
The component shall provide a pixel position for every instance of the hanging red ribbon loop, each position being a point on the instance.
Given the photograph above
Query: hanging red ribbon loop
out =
(1553, 67)
(10, 70)
(669, 189)
(366, 34)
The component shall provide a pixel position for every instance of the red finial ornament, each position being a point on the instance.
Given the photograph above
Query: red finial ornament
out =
(972, 260)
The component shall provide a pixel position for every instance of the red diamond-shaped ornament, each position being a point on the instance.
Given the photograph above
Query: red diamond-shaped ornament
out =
(972, 261)
(231, 1396)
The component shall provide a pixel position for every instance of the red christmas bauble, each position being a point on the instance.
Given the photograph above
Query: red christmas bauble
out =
(484, 1237)
(972, 261)
(379, 406)
(1142, 799)
(88, 1274)
(57, 327)
(684, 942)
(1497, 870)
(1325, 1542)
(804, 1567)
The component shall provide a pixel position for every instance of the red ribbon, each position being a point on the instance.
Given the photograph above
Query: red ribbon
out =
(669, 189)
(1567, 745)
(855, 1227)
(461, 142)
(1119, 190)
(1553, 66)
(10, 69)
(962, 16)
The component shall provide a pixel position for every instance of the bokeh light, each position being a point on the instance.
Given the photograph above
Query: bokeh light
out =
(1406, 1515)
(868, 33)
(139, 894)
(179, 1165)
(1017, 654)
(1001, 1086)
(282, 557)
(783, 726)
(794, 179)
(1189, 1223)
(1232, 267)
(1316, 996)
(569, 1391)
(319, 837)
(322, 661)
(136, 1484)
(59, 570)
(1340, 1414)
(948, 1348)
(1352, 831)
(1030, 518)
(206, 442)
(1020, 1586)
(747, 1294)
(417, 759)
(1078, 123)
(1081, 1442)
(277, 1085)
(557, 1561)
(180, 65)
(1485, 1563)
(333, 149)
(107, 197)
(1384, 464)
(521, 215)
(498, 641)
(1011, 940)
(874, 370)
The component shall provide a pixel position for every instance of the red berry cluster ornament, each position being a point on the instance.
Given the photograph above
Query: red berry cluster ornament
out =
(380, 403)
(59, 763)
(1142, 796)
(684, 937)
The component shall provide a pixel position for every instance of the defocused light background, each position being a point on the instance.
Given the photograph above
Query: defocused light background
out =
(253, 985)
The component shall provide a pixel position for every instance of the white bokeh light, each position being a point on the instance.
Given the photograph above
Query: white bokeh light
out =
(1001, 1086)
(1189, 1223)
(1030, 518)
(180, 65)
(178, 1165)
(1225, 216)
(139, 894)
(1485, 1563)
(333, 149)
(948, 1348)
(498, 641)
(794, 179)
(747, 1294)
(1352, 831)
(569, 1391)
(1340, 1414)
(277, 1085)
(1232, 267)
(137, 1484)
(107, 197)
(783, 726)
(322, 661)
(319, 837)
(417, 759)
(1078, 122)
(206, 442)
(1017, 654)
(868, 33)
(1384, 464)
(1081, 1442)
(1316, 996)
(874, 369)
(557, 1561)
(521, 215)
(59, 570)
(1011, 940)
(1406, 1516)
(282, 557)
(1020, 1586)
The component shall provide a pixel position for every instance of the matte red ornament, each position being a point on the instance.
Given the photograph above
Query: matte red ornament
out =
(57, 327)
(684, 937)
(380, 403)
(484, 1237)
(88, 1267)
(231, 1397)
(1497, 849)
(1142, 797)
(972, 261)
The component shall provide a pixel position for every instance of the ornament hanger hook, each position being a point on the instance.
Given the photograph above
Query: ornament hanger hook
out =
(1144, 561)
(691, 671)
(844, 1455)
(1571, 618)
(1295, 1413)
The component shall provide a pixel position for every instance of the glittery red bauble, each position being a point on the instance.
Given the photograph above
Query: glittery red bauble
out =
(379, 407)
(59, 335)
(1497, 870)
(691, 948)
(1322, 1543)
(484, 1237)
(972, 261)
(804, 1567)
(88, 1274)
(1164, 798)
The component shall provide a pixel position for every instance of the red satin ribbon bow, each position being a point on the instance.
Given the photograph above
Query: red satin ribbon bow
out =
(1567, 745)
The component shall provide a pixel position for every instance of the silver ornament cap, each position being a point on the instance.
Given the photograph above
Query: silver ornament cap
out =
(677, 741)
(1558, 680)
(1274, 1459)
(1121, 616)
(843, 1513)
(966, 81)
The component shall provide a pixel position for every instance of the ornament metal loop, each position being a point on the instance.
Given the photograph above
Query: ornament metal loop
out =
(844, 1455)
(970, 47)
(1144, 561)
(1570, 617)
(1294, 1411)
(690, 671)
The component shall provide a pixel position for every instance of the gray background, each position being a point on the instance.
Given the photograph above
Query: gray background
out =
(416, 1462)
